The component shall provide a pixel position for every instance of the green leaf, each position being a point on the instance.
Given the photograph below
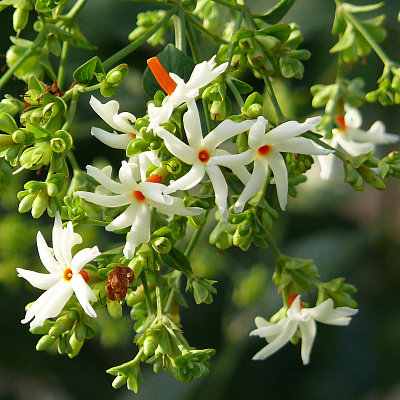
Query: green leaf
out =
(279, 31)
(241, 86)
(173, 60)
(86, 72)
(360, 9)
(177, 260)
(345, 41)
(275, 14)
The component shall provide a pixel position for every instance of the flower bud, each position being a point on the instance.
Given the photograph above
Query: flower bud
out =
(58, 145)
(119, 381)
(173, 166)
(76, 346)
(151, 342)
(117, 75)
(39, 205)
(114, 308)
(161, 244)
(26, 203)
(7, 123)
(136, 146)
(10, 105)
(20, 18)
(45, 342)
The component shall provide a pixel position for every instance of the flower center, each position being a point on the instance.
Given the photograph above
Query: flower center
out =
(204, 155)
(154, 178)
(264, 150)
(161, 75)
(138, 195)
(340, 121)
(292, 298)
(68, 274)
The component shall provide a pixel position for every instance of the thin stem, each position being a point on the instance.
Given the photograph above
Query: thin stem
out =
(72, 110)
(195, 238)
(10, 72)
(204, 31)
(96, 222)
(73, 162)
(371, 41)
(274, 100)
(228, 4)
(76, 9)
(191, 37)
(272, 245)
(157, 276)
(149, 302)
(62, 66)
(179, 28)
(138, 42)
(235, 92)
(238, 23)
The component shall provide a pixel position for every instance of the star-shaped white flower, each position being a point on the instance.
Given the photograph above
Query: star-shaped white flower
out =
(65, 278)
(277, 335)
(178, 90)
(353, 140)
(139, 197)
(200, 153)
(264, 150)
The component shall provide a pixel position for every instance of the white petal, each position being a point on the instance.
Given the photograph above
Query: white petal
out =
(278, 167)
(178, 208)
(326, 314)
(254, 184)
(104, 180)
(82, 257)
(175, 146)
(140, 232)
(46, 255)
(191, 179)
(127, 176)
(125, 121)
(112, 139)
(289, 130)
(104, 200)
(354, 148)
(125, 219)
(204, 73)
(105, 111)
(288, 331)
(153, 191)
(225, 130)
(159, 115)
(49, 304)
(84, 294)
(57, 238)
(146, 159)
(257, 133)
(352, 118)
(191, 122)
(326, 164)
(308, 331)
(301, 145)
(267, 330)
(376, 134)
(220, 190)
(69, 239)
(234, 160)
(38, 280)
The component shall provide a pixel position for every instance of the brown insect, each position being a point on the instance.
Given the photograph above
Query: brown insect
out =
(118, 281)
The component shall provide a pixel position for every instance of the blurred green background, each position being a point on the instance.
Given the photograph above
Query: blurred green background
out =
(349, 234)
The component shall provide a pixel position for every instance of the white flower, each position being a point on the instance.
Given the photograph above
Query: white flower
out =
(65, 277)
(178, 90)
(139, 197)
(277, 335)
(353, 140)
(265, 151)
(200, 153)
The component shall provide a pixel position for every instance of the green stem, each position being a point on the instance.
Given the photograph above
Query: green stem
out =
(204, 31)
(63, 65)
(272, 246)
(238, 23)
(73, 162)
(371, 41)
(149, 303)
(235, 92)
(317, 140)
(274, 100)
(179, 28)
(158, 282)
(96, 222)
(228, 4)
(10, 72)
(72, 109)
(191, 37)
(76, 9)
(195, 238)
(138, 42)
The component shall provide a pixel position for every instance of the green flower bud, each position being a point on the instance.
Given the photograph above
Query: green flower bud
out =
(136, 146)
(39, 205)
(197, 221)
(6, 141)
(19, 136)
(117, 75)
(26, 203)
(20, 18)
(173, 166)
(189, 5)
(37, 156)
(150, 343)
(7, 123)
(114, 308)
(146, 256)
(11, 106)
(178, 227)
(53, 45)
(161, 245)
(45, 342)
(156, 145)
(119, 381)
(58, 145)
(75, 345)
